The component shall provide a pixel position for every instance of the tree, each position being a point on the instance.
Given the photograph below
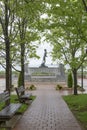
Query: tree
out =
(7, 29)
(68, 34)
(25, 27)
(15, 21)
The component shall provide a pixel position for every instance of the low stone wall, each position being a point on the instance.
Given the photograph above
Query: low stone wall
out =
(44, 79)
(54, 71)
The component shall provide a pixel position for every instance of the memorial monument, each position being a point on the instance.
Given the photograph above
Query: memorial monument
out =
(44, 59)
(45, 73)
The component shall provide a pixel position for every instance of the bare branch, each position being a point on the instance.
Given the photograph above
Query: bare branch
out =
(84, 5)
(4, 66)
(15, 68)
(2, 24)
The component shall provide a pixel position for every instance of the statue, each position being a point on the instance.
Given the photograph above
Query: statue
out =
(44, 58)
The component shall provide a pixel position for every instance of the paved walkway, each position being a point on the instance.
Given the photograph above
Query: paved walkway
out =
(48, 112)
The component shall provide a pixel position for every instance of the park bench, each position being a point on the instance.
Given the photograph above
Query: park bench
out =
(8, 111)
(23, 97)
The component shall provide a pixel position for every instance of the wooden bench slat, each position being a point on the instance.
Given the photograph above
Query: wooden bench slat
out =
(22, 97)
(4, 96)
(20, 89)
(8, 111)
(27, 96)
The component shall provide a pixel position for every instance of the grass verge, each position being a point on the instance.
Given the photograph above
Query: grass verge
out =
(78, 105)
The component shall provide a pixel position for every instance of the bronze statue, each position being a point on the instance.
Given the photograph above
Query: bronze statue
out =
(44, 58)
(45, 55)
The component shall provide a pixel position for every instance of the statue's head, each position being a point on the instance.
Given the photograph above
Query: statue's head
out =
(45, 50)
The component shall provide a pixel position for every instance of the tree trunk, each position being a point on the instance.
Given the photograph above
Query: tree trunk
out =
(22, 63)
(7, 67)
(22, 29)
(75, 81)
(10, 75)
(7, 43)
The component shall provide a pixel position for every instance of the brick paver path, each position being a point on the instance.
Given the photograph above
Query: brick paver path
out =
(48, 112)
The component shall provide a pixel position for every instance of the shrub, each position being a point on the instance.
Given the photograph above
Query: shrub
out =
(32, 87)
(58, 87)
(70, 80)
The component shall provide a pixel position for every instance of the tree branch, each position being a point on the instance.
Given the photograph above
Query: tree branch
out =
(84, 5)
(3, 65)
(15, 68)
(2, 24)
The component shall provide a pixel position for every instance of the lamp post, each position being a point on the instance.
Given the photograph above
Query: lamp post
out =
(82, 76)
(85, 4)
(82, 70)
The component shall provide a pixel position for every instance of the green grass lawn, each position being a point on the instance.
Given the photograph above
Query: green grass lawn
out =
(78, 105)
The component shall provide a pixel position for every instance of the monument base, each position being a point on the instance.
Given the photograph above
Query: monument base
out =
(43, 65)
(45, 74)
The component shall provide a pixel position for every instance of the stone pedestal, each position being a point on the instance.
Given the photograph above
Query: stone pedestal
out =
(45, 74)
